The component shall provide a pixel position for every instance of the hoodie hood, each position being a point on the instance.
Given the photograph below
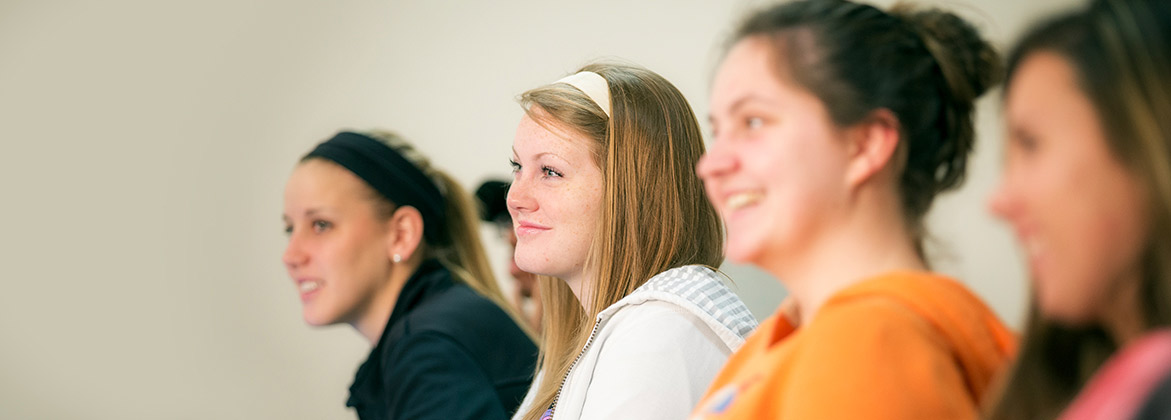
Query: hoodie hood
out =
(699, 290)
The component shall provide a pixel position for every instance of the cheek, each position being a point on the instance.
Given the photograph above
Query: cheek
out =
(360, 265)
(1093, 230)
(580, 214)
(803, 177)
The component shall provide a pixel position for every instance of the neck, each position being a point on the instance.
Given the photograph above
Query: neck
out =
(1122, 314)
(868, 240)
(581, 293)
(372, 321)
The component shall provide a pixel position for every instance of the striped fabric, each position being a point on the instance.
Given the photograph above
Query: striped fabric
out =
(701, 286)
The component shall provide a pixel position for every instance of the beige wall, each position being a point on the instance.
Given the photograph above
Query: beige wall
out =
(146, 145)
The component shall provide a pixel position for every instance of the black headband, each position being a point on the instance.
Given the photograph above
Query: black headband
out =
(389, 173)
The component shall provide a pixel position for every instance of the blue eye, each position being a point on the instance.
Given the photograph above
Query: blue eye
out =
(288, 229)
(515, 166)
(550, 172)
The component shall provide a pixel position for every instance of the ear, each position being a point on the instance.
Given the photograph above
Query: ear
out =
(404, 233)
(874, 143)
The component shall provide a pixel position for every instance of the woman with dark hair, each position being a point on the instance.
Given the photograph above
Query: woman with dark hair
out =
(384, 242)
(1087, 188)
(836, 124)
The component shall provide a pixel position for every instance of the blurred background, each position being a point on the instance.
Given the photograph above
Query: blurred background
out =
(146, 145)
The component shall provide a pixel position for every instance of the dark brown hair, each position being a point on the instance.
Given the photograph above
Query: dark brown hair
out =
(927, 67)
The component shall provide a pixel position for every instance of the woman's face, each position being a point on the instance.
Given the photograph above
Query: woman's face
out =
(775, 171)
(1075, 209)
(338, 251)
(555, 199)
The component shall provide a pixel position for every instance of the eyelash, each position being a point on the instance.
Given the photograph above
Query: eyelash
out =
(550, 171)
(749, 122)
(318, 226)
(545, 170)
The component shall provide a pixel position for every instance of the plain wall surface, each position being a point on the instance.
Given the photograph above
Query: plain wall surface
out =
(146, 145)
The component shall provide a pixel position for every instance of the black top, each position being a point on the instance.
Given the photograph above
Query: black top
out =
(446, 353)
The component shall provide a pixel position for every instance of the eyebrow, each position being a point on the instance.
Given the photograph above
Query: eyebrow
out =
(752, 97)
(514, 153)
(307, 213)
(739, 103)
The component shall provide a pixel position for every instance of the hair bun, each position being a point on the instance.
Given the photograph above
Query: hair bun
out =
(970, 64)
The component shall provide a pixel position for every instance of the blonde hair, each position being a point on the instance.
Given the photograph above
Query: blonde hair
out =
(458, 248)
(655, 215)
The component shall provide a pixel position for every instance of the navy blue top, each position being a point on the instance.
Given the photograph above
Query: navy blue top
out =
(446, 353)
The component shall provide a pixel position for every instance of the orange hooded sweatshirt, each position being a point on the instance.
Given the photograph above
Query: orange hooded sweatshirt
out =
(905, 345)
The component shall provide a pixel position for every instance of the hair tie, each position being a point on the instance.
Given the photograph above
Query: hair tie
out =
(389, 173)
(593, 85)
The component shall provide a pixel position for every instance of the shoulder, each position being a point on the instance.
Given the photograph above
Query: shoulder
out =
(918, 290)
(876, 318)
(699, 291)
(659, 330)
(455, 310)
(464, 318)
(653, 316)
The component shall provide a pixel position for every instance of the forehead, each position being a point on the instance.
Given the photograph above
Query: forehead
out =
(547, 135)
(318, 182)
(1045, 82)
(750, 57)
(753, 68)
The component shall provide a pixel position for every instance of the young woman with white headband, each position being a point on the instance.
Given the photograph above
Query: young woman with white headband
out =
(608, 210)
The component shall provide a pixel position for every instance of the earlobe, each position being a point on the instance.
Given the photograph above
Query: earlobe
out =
(405, 233)
(874, 145)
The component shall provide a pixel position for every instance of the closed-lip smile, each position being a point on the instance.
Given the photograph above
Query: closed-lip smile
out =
(528, 228)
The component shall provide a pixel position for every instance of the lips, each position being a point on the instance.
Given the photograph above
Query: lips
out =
(308, 288)
(524, 229)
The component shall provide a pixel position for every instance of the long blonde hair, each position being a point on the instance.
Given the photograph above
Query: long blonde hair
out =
(655, 215)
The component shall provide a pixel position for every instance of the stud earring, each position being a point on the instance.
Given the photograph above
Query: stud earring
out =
(397, 258)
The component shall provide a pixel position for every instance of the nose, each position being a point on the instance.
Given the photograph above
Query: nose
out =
(1002, 202)
(520, 198)
(717, 162)
(294, 256)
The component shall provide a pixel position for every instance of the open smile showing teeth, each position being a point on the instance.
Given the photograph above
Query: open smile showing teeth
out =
(741, 200)
(309, 286)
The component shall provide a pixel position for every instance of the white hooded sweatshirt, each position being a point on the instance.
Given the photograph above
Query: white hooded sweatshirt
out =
(653, 353)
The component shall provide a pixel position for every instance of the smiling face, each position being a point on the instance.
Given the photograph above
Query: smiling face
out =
(1075, 209)
(776, 170)
(337, 253)
(555, 199)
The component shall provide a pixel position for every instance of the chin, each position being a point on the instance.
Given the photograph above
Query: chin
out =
(530, 264)
(1063, 313)
(743, 252)
(315, 319)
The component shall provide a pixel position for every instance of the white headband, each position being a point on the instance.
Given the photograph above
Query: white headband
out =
(593, 85)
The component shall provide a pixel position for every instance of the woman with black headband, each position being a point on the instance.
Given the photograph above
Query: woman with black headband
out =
(380, 240)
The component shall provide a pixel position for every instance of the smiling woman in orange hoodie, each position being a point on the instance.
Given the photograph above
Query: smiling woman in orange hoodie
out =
(836, 124)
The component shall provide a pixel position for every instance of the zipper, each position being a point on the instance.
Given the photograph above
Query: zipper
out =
(593, 333)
